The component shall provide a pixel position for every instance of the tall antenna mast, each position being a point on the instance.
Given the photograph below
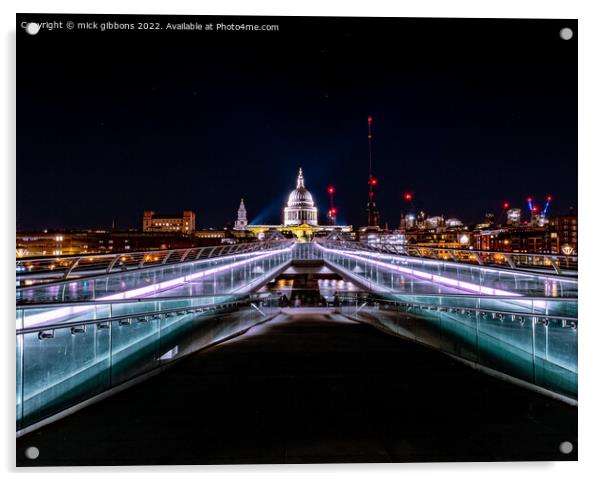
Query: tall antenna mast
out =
(373, 217)
(370, 150)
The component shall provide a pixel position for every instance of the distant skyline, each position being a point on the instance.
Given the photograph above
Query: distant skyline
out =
(467, 114)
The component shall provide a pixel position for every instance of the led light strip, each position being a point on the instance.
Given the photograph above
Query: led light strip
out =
(45, 317)
(543, 305)
(424, 260)
(434, 278)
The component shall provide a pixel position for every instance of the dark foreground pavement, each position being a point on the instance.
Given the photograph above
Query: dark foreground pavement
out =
(311, 389)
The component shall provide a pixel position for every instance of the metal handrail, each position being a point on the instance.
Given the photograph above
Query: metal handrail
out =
(72, 265)
(466, 296)
(113, 254)
(480, 251)
(439, 307)
(49, 327)
(363, 245)
(458, 255)
(119, 301)
(267, 295)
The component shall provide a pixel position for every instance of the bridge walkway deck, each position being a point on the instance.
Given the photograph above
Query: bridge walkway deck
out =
(311, 387)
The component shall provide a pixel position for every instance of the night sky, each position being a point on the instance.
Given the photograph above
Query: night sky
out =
(467, 114)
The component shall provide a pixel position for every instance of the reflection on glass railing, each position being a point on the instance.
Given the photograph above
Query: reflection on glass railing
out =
(531, 339)
(200, 277)
(389, 273)
(553, 263)
(34, 270)
(60, 365)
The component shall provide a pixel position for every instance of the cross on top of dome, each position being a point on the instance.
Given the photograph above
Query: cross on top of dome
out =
(300, 180)
(300, 197)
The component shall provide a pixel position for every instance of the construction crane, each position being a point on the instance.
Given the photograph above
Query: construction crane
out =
(538, 217)
(332, 212)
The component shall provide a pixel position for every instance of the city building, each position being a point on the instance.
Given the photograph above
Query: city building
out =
(513, 217)
(216, 235)
(376, 238)
(452, 238)
(542, 240)
(538, 218)
(241, 221)
(434, 222)
(567, 228)
(408, 221)
(487, 223)
(36, 244)
(185, 223)
(453, 223)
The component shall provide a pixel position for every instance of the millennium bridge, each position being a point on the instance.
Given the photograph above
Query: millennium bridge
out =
(281, 351)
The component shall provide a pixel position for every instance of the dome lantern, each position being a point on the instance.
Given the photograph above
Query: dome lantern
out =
(300, 180)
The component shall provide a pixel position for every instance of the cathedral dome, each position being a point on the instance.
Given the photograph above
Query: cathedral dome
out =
(300, 208)
(300, 196)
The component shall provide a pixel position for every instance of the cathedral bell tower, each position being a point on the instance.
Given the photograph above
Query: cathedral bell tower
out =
(241, 221)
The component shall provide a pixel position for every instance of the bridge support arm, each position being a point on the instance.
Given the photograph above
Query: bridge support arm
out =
(167, 257)
(510, 261)
(72, 266)
(556, 265)
(113, 262)
(257, 308)
(186, 252)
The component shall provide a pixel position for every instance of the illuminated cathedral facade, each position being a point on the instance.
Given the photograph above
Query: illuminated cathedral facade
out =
(299, 216)
(300, 208)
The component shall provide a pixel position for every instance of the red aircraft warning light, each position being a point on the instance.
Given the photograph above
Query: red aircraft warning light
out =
(549, 198)
(332, 212)
(506, 205)
(373, 181)
(408, 197)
